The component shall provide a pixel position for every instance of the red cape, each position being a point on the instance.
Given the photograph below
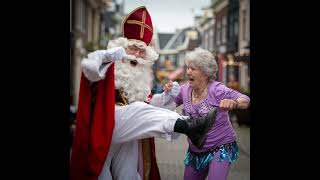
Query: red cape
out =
(94, 129)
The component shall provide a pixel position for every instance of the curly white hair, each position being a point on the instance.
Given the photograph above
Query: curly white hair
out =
(205, 60)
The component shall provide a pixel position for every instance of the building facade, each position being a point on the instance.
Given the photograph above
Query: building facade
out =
(86, 29)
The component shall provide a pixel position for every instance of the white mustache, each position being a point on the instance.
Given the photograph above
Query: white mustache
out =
(139, 60)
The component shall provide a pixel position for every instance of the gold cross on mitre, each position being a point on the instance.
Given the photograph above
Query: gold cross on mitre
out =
(141, 23)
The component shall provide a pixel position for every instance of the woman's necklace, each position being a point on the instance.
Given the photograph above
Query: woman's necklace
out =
(194, 97)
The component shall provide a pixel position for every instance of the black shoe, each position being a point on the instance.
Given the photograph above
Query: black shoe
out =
(197, 128)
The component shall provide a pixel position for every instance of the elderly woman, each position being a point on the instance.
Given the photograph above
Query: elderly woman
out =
(199, 96)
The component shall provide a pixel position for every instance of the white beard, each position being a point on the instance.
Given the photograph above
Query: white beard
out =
(136, 82)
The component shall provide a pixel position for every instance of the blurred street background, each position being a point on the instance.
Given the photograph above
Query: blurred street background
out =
(220, 26)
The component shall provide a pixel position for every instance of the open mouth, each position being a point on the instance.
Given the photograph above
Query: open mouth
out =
(191, 79)
(133, 63)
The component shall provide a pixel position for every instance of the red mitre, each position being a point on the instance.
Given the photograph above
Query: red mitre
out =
(138, 25)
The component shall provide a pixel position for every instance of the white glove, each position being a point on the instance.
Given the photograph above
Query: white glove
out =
(174, 92)
(114, 54)
(175, 89)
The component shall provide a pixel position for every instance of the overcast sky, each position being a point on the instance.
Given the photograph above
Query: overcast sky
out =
(168, 15)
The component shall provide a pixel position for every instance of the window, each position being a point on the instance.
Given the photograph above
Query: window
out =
(211, 39)
(206, 40)
(224, 29)
(244, 24)
(218, 32)
(71, 15)
(89, 24)
(230, 29)
(236, 29)
(81, 16)
(203, 42)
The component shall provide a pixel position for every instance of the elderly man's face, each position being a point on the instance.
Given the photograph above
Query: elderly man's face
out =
(137, 85)
(138, 52)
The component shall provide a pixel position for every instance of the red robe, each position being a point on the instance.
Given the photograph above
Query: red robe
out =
(94, 129)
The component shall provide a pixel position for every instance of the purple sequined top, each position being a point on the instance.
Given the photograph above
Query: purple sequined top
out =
(222, 131)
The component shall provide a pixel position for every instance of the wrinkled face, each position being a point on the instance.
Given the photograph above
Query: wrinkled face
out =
(195, 75)
(137, 53)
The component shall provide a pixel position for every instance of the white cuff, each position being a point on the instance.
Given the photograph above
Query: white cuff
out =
(93, 67)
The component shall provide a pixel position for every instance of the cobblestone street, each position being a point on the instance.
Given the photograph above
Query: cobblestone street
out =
(170, 156)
